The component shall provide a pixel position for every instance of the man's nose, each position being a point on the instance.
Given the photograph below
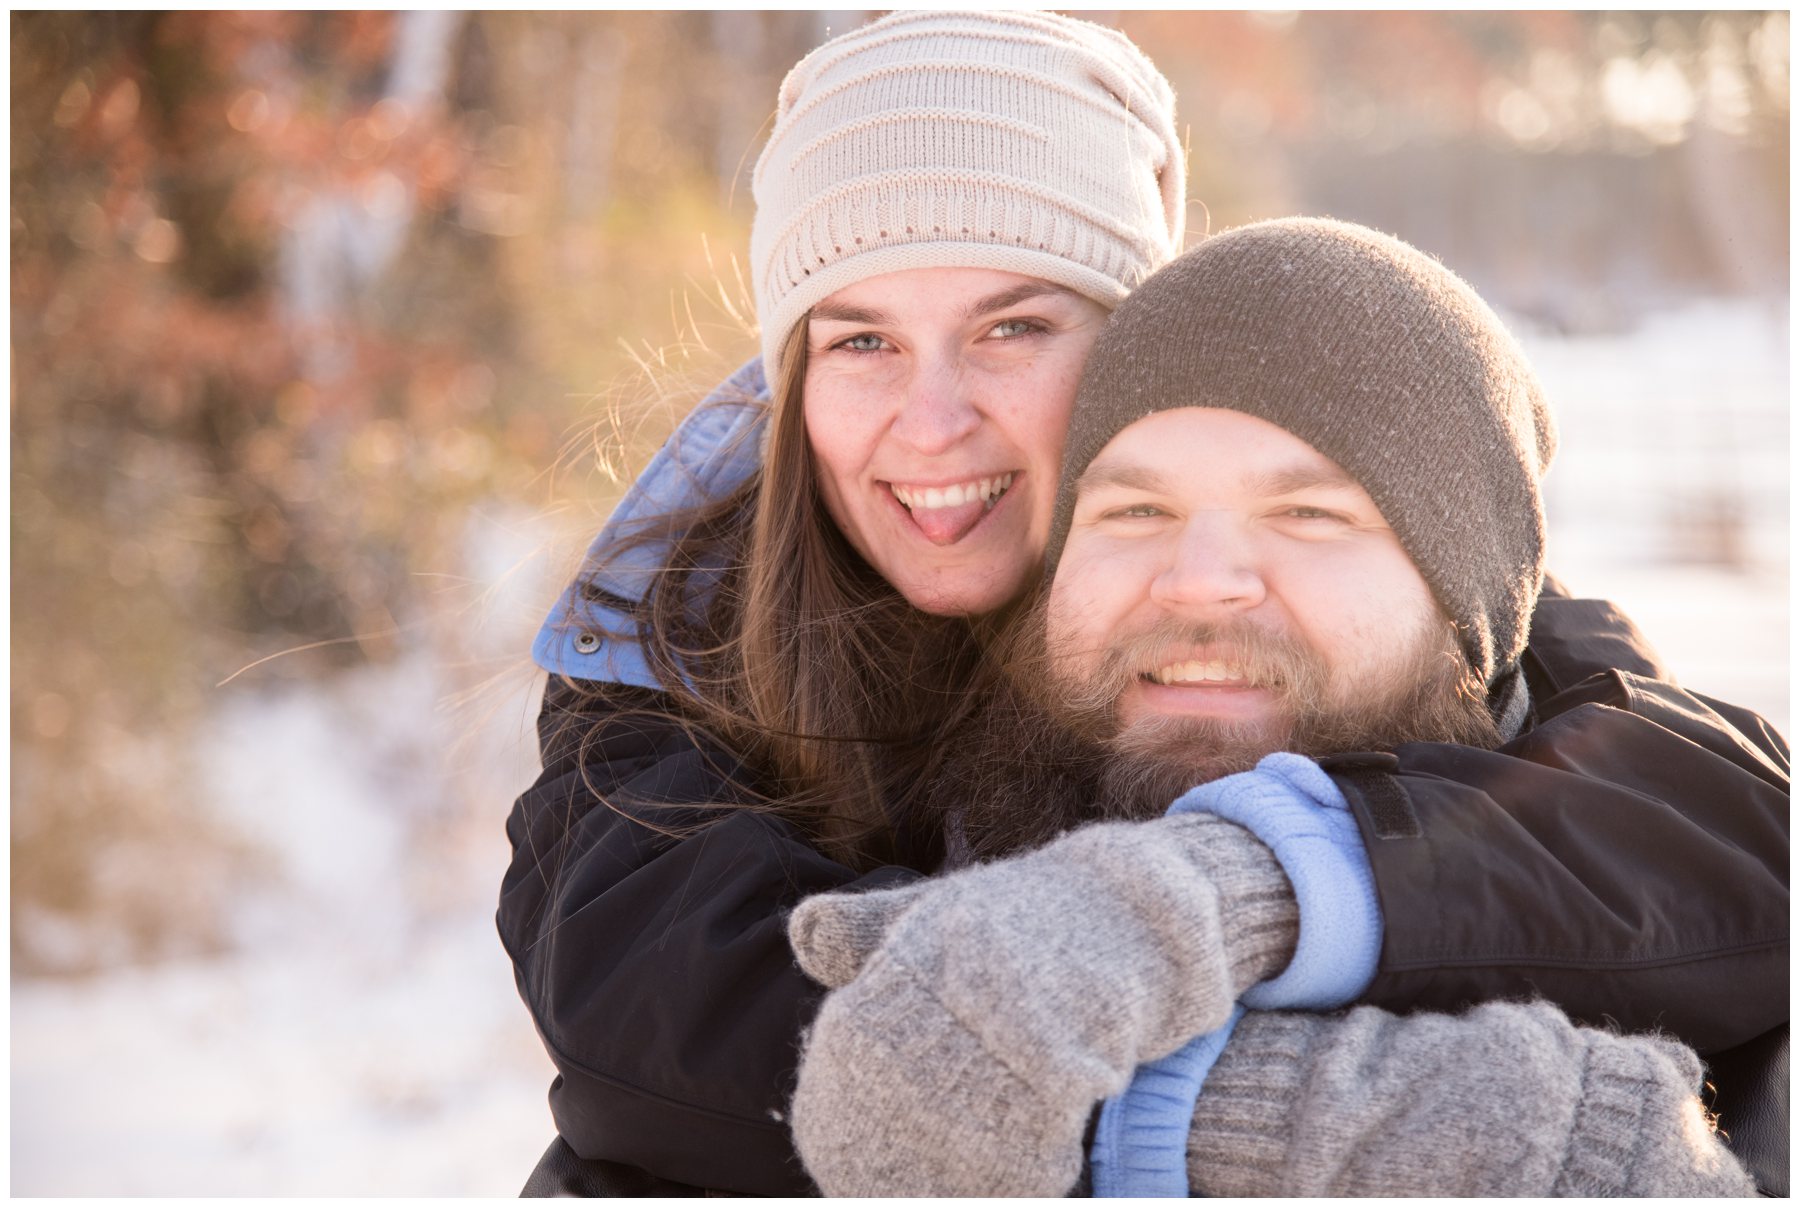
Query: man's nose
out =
(1212, 567)
(938, 410)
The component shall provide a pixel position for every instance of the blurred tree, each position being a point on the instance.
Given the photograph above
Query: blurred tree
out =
(291, 292)
(1579, 167)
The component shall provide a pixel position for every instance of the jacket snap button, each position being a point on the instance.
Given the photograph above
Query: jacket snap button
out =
(587, 643)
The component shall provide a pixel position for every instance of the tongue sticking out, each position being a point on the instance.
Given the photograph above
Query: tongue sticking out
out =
(947, 526)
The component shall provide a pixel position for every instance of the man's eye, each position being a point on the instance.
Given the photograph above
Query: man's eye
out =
(1135, 511)
(1311, 513)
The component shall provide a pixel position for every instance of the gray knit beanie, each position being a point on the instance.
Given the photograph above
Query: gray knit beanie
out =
(1377, 356)
(1022, 141)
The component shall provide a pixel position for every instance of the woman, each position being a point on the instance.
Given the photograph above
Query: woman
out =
(752, 680)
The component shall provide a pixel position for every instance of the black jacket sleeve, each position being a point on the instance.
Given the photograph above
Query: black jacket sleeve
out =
(1626, 857)
(656, 966)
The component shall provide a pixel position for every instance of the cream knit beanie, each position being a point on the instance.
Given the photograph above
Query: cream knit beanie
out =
(1021, 141)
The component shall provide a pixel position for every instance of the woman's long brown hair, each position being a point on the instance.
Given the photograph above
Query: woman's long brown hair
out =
(781, 648)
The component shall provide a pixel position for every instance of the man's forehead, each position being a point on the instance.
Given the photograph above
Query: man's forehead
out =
(1170, 449)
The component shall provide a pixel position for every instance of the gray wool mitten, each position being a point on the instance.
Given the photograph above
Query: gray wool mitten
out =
(981, 1015)
(1508, 1099)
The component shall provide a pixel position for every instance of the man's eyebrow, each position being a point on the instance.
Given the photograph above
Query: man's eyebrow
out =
(1130, 476)
(1304, 476)
(1285, 480)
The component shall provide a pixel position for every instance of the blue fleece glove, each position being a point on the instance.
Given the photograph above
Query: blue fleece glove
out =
(1298, 811)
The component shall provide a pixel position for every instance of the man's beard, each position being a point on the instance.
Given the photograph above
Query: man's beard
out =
(1049, 752)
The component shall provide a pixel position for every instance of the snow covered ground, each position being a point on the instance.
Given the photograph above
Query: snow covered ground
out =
(303, 1069)
(366, 1036)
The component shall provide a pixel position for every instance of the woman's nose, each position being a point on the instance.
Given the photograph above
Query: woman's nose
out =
(938, 410)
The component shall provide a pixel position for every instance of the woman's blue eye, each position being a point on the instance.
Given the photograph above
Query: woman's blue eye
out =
(863, 343)
(1012, 328)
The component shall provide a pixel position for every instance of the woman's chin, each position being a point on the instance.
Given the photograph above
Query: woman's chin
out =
(969, 594)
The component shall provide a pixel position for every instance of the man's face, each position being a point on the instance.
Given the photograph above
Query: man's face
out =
(1228, 591)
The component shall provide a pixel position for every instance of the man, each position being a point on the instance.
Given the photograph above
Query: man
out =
(1299, 512)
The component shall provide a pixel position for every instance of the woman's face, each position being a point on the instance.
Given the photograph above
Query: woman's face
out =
(937, 400)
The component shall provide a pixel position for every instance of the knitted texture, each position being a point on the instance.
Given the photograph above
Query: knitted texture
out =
(1292, 806)
(1378, 357)
(1640, 1129)
(1022, 141)
(1289, 803)
(984, 1013)
(1140, 1143)
(1509, 1099)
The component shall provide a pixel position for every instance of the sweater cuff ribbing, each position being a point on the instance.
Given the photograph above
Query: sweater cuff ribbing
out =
(1140, 1144)
(1639, 1129)
(1258, 913)
(1616, 1089)
(1243, 1124)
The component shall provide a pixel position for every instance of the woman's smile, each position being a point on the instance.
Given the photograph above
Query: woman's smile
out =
(945, 515)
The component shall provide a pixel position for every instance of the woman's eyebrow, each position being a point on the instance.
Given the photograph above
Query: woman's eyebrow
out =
(836, 312)
(1022, 292)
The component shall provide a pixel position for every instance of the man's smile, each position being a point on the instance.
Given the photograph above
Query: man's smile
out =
(1203, 671)
(1229, 699)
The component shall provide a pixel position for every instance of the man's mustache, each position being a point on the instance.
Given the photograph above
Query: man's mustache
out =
(1275, 661)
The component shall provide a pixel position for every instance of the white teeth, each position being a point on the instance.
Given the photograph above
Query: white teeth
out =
(1200, 671)
(985, 490)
